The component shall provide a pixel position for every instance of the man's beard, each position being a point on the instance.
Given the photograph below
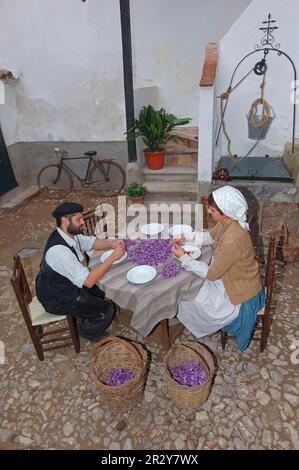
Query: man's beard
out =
(74, 230)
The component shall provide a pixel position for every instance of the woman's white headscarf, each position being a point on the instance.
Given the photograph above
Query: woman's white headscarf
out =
(232, 203)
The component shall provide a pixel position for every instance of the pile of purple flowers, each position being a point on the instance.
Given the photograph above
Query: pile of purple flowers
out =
(151, 252)
(171, 270)
(119, 376)
(129, 243)
(190, 374)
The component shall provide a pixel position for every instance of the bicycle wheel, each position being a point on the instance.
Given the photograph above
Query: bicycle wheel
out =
(55, 182)
(107, 178)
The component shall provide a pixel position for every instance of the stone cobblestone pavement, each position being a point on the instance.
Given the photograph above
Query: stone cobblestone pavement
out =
(254, 403)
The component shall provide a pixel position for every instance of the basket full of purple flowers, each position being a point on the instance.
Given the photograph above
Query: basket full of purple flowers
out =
(119, 368)
(189, 370)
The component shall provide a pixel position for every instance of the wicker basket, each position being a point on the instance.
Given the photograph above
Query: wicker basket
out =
(114, 352)
(183, 353)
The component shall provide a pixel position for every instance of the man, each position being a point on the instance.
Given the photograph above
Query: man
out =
(64, 285)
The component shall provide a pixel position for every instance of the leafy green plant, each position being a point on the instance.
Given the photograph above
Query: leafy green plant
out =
(134, 190)
(154, 127)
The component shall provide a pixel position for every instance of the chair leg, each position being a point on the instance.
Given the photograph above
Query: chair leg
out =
(36, 342)
(265, 333)
(224, 336)
(74, 333)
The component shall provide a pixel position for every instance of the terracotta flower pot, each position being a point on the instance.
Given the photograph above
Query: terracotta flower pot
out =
(137, 200)
(154, 160)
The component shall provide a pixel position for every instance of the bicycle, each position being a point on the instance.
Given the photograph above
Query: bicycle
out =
(104, 175)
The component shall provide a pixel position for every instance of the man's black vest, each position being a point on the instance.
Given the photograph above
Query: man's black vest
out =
(53, 290)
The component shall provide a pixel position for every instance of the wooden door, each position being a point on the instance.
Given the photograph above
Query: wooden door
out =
(7, 177)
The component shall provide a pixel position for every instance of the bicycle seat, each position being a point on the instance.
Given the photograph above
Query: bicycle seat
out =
(90, 153)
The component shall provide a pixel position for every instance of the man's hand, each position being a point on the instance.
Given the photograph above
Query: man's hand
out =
(177, 250)
(118, 252)
(117, 243)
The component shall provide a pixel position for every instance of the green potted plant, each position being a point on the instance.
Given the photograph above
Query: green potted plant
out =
(154, 127)
(136, 192)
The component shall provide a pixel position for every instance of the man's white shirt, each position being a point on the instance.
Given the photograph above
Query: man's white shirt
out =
(64, 262)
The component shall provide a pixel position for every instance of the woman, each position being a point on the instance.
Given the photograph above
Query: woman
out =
(232, 294)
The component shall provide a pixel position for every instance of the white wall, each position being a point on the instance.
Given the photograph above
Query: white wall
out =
(239, 41)
(169, 38)
(69, 57)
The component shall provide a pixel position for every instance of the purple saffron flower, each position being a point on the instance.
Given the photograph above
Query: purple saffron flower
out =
(189, 374)
(119, 376)
(171, 270)
(151, 252)
(129, 243)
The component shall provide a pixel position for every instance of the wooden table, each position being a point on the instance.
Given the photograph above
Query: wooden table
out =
(150, 308)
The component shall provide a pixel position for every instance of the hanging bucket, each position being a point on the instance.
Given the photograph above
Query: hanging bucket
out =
(259, 124)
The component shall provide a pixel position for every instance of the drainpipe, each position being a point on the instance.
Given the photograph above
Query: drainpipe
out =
(128, 72)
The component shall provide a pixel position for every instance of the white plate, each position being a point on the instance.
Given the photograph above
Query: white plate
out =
(106, 255)
(177, 230)
(141, 274)
(152, 229)
(195, 251)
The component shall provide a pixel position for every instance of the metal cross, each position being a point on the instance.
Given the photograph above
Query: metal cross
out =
(268, 38)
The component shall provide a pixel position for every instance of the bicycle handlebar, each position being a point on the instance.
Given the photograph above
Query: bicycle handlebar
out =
(60, 153)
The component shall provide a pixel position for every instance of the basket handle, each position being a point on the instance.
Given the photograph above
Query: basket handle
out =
(116, 339)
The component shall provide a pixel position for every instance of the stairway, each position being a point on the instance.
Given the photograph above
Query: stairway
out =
(177, 180)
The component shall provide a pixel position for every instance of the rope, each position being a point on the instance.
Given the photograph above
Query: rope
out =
(257, 123)
(253, 113)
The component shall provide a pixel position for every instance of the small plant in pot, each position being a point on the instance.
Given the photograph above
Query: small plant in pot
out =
(154, 127)
(136, 192)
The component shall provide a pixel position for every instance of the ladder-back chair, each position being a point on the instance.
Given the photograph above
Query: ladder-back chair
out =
(37, 319)
(92, 220)
(263, 321)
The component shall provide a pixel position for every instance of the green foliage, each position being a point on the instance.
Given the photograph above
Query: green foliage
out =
(154, 127)
(134, 190)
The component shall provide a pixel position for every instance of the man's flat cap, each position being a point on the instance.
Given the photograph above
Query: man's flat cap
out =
(67, 208)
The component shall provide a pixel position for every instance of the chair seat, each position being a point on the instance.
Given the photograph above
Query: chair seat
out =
(39, 316)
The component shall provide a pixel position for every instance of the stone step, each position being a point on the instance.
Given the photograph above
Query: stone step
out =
(185, 159)
(175, 148)
(181, 141)
(172, 191)
(186, 132)
(19, 199)
(171, 173)
(187, 136)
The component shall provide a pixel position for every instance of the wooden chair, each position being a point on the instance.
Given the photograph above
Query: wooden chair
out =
(207, 219)
(91, 220)
(263, 321)
(37, 319)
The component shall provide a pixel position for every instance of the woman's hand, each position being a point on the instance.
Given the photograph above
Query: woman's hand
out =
(179, 239)
(177, 250)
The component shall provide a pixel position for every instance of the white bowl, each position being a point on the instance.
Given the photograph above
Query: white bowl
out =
(152, 229)
(180, 230)
(141, 274)
(192, 251)
(106, 255)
